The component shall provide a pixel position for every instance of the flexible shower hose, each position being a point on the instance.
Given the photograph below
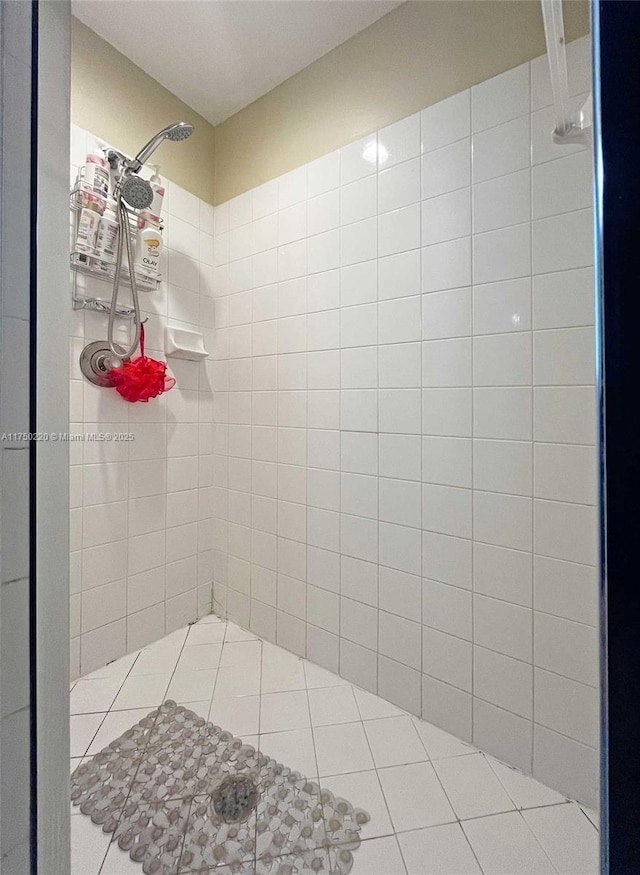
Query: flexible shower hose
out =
(124, 231)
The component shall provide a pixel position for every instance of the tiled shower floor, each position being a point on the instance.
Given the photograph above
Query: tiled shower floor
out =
(438, 806)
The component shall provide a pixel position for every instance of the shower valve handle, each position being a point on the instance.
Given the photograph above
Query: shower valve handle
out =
(97, 360)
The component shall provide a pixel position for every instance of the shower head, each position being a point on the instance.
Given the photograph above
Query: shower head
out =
(175, 133)
(136, 192)
(179, 131)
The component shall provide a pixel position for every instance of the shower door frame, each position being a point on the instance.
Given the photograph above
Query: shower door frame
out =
(49, 459)
(616, 42)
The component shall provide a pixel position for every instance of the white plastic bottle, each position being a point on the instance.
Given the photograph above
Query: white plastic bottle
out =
(148, 246)
(88, 223)
(107, 238)
(158, 192)
(96, 174)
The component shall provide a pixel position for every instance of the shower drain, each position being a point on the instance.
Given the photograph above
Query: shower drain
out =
(235, 798)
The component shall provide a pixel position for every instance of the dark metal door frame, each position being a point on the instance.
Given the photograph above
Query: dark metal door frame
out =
(616, 40)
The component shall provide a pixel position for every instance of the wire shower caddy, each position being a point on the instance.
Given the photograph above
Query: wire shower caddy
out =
(88, 263)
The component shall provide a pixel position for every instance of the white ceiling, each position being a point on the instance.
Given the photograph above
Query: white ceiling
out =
(220, 55)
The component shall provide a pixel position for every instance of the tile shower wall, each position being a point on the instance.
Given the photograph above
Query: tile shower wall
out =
(141, 512)
(404, 465)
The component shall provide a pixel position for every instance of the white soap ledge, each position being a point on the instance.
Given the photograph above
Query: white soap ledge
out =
(182, 344)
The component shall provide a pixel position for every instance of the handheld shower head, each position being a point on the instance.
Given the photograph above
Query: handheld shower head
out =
(179, 131)
(176, 132)
(136, 192)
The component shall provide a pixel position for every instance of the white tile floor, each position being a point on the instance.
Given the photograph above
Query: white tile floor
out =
(437, 805)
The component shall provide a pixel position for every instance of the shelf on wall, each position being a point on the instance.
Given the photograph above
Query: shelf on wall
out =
(180, 343)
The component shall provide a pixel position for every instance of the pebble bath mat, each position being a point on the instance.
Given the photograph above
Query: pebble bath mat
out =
(181, 795)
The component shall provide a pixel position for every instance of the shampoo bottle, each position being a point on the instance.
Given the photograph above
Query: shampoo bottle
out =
(96, 174)
(107, 238)
(88, 223)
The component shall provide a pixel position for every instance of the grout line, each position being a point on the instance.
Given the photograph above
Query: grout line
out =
(215, 683)
(175, 668)
(311, 728)
(582, 809)
(538, 842)
(378, 405)
(533, 455)
(375, 769)
(120, 813)
(340, 433)
(259, 745)
(108, 711)
(473, 435)
(421, 450)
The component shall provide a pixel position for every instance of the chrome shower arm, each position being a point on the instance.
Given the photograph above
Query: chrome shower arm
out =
(146, 152)
(175, 133)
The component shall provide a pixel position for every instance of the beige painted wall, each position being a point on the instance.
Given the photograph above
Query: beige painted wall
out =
(418, 54)
(119, 102)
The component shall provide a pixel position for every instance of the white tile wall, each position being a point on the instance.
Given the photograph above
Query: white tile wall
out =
(403, 452)
(142, 514)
